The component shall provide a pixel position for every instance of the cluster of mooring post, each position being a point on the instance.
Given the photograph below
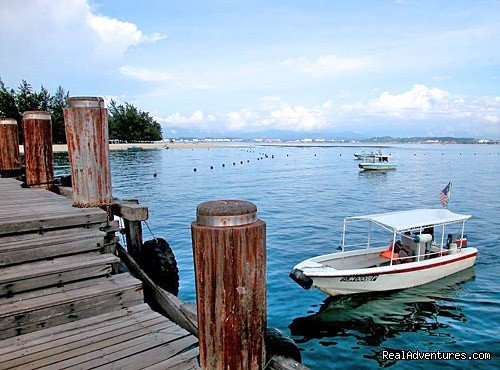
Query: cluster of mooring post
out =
(229, 247)
(10, 163)
(38, 155)
(86, 122)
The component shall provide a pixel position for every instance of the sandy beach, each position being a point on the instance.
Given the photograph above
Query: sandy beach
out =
(148, 146)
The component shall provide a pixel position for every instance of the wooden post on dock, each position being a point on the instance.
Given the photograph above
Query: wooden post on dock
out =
(86, 122)
(38, 156)
(229, 245)
(10, 165)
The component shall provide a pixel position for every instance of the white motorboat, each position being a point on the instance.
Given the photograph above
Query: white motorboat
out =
(378, 162)
(420, 249)
(364, 156)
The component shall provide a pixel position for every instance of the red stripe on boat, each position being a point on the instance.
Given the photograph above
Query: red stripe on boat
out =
(416, 268)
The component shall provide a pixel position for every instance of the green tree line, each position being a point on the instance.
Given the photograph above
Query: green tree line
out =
(126, 122)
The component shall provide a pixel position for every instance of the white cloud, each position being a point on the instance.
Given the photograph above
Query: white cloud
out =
(299, 118)
(328, 65)
(196, 121)
(63, 35)
(273, 115)
(117, 36)
(245, 119)
(417, 101)
(149, 75)
(145, 75)
(425, 104)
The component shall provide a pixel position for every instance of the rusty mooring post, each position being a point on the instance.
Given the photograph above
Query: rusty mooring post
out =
(10, 165)
(38, 156)
(86, 122)
(229, 245)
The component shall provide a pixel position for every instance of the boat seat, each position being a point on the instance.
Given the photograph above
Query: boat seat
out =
(388, 253)
(401, 251)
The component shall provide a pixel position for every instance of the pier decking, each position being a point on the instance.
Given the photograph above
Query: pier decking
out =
(61, 306)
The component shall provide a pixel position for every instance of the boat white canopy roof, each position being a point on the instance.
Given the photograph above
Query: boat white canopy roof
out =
(413, 219)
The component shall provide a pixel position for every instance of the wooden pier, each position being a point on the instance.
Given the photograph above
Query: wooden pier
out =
(62, 303)
(61, 306)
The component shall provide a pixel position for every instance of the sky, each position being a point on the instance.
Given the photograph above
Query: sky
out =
(269, 68)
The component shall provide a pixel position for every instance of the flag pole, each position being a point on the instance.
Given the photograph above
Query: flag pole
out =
(449, 196)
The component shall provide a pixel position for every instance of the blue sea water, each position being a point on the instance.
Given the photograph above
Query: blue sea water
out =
(303, 194)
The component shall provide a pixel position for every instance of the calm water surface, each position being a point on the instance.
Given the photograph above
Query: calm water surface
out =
(303, 195)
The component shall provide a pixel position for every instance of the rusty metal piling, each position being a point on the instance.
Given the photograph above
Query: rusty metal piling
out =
(38, 155)
(229, 247)
(10, 164)
(86, 122)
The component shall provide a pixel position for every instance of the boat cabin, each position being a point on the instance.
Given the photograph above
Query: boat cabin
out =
(415, 235)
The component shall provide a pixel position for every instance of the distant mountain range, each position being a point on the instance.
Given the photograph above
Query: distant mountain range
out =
(437, 139)
(342, 139)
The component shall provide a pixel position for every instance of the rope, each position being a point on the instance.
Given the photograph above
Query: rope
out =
(150, 231)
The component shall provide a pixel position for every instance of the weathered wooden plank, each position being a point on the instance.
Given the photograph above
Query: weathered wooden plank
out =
(55, 351)
(65, 191)
(114, 284)
(109, 355)
(22, 192)
(24, 277)
(48, 212)
(130, 211)
(60, 264)
(152, 355)
(44, 345)
(46, 292)
(25, 210)
(38, 248)
(61, 314)
(23, 316)
(56, 278)
(49, 237)
(11, 199)
(44, 211)
(60, 220)
(31, 340)
(183, 361)
(10, 182)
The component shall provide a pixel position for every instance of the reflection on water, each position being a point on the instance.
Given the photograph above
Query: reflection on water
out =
(374, 175)
(374, 318)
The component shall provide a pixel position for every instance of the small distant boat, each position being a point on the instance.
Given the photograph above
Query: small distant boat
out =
(378, 162)
(364, 156)
(421, 250)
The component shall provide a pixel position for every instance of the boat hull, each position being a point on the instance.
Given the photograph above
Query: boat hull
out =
(377, 166)
(394, 277)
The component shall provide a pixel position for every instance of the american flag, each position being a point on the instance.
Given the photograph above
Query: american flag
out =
(444, 196)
